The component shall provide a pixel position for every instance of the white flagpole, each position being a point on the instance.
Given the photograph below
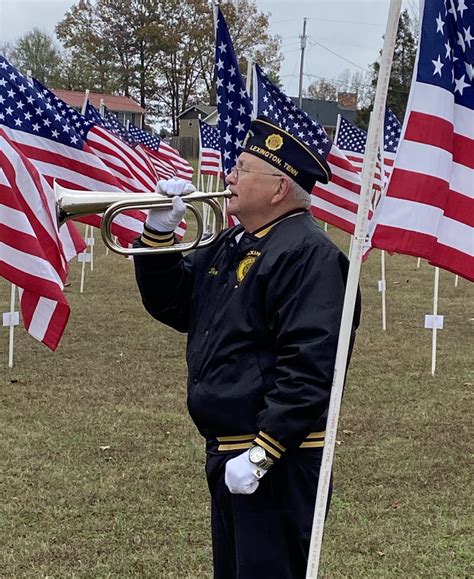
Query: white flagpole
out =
(90, 243)
(81, 289)
(377, 198)
(382, 287)
(435, 321)
(248, 80)
(200, 160)
(12, 326)
(375, 126)
(336, 135)
(84, 104)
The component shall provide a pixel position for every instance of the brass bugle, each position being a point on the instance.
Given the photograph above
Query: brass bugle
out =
(72, 203)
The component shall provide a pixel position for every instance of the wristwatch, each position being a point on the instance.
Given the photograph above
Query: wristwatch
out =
(258, 456)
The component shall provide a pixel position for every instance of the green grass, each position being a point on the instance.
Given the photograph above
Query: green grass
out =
(102, 469)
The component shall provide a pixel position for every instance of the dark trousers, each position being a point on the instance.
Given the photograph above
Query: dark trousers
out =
(265, 535)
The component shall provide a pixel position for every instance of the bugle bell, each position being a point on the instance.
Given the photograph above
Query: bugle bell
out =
(72, 203)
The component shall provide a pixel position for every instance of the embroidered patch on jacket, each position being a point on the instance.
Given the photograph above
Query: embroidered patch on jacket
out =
(274, 142)
(244, 266)
(213, 271)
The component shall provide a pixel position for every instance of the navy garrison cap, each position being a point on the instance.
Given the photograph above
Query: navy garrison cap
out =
(287, 153)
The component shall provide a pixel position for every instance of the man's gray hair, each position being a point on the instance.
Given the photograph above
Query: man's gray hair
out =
(300, 194)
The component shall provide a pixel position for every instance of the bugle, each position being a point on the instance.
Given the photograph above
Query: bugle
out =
(72, 203)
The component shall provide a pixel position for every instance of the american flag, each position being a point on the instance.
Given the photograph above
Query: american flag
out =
(234, 106)
(428, 209)
(391, 134)
(52, 136)
(72, 241)
(351, 140)
(31, 254)
(111, 142)
(113, 125)
(337, 202)
(93, 115)
(209, 151)
(167, 160)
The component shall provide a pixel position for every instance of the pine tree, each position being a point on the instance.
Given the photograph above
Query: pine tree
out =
(401, 74)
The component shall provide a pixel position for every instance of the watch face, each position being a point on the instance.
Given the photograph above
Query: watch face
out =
(257, 454)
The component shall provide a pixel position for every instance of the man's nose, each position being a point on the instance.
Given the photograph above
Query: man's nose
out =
(230, 178)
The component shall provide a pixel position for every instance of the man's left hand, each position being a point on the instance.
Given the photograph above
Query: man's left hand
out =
(241, 476)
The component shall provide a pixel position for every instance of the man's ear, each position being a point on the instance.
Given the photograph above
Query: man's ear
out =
(281, 192)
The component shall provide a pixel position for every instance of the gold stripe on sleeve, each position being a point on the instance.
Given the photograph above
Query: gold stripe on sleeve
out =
(315, 444)
(272, 441)
(266, 446)
(242, 446)
(249, 437)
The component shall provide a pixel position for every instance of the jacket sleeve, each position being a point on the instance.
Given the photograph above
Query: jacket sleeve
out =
(165, 283)
(304, 307)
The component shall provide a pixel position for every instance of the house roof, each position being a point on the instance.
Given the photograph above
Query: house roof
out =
(205, 109)
(325, 112)
(112, 102)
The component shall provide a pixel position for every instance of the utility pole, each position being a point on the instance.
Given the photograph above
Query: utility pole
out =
(303, 46)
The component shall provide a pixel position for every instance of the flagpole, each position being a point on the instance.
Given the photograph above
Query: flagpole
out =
(435, 321)
(382, 286)
(84, 104)
(336, 134)
(368, 171)
(81, 289)
(90, 243)
(12, 326)
(248, 79)
(377, 198)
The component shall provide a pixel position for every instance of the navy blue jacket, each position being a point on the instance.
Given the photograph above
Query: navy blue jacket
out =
(262, 312)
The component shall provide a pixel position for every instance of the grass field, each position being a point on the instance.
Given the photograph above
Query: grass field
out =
(102, 469)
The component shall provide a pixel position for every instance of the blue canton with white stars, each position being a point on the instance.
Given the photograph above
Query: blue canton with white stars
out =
(93, 115)
(392, 132)
(282, 111)
(209, 136)
(446, 57)
(141, 136)
(233, 103)
(29, 107)
(351, 138)
(116, 127)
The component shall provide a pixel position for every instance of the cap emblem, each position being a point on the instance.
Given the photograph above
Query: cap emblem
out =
(274, 142)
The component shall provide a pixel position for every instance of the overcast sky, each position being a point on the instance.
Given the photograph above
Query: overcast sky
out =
(341, 33)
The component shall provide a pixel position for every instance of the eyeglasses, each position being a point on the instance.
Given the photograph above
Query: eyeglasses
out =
(236, 170)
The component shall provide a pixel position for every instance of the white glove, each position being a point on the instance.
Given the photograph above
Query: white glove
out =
(175, 186)
(168, 219)
(242, 476)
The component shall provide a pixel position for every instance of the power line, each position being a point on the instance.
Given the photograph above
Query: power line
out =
(315, 42)
(347, 22)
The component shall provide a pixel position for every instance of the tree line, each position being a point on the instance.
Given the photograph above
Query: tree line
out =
(162, 54)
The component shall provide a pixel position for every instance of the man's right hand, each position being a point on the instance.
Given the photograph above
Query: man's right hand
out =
(167, 219)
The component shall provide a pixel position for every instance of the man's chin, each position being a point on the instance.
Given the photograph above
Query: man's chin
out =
(232, 208)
